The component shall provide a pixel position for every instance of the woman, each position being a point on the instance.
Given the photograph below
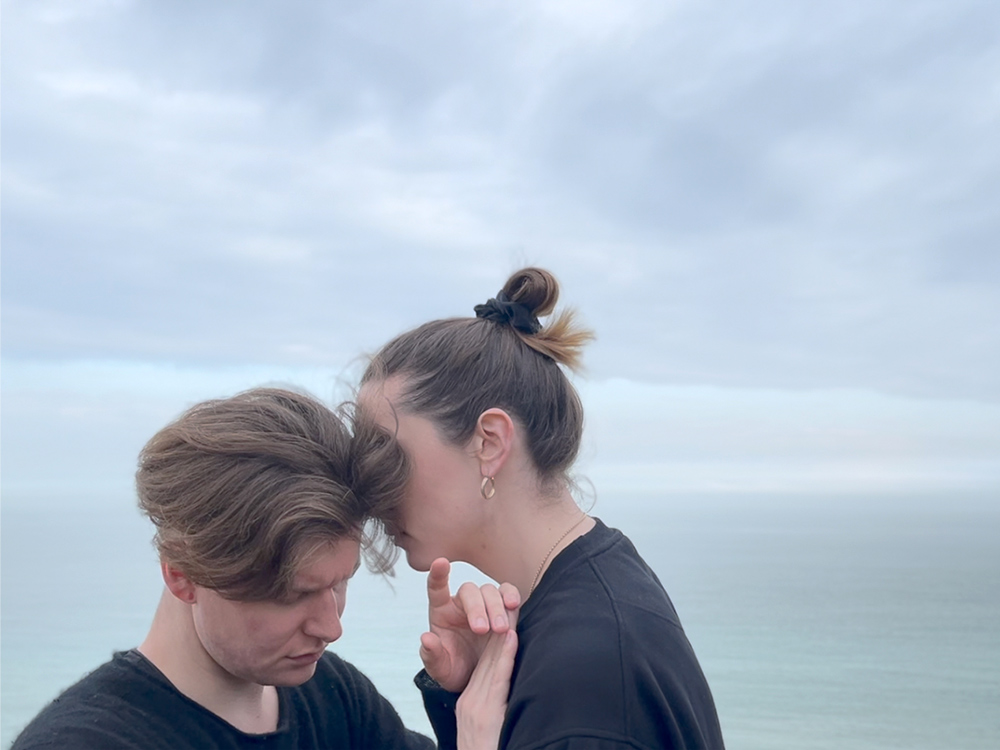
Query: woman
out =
(489, 425)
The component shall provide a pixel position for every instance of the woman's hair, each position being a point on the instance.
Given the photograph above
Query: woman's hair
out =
(241, 490)
(453, 370)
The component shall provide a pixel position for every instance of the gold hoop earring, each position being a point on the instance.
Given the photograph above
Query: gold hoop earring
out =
(488, 488)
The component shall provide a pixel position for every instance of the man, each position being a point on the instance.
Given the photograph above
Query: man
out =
(258, 533)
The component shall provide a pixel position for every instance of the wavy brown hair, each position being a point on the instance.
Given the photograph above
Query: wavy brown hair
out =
(241, 490)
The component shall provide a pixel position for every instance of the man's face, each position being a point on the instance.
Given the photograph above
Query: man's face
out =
(279, 642)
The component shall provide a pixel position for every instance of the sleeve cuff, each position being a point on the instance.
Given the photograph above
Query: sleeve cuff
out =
(440, 707)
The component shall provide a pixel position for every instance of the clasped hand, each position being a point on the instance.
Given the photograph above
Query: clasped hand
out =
(460, 625)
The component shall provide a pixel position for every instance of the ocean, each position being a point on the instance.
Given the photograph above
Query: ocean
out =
(820, 621)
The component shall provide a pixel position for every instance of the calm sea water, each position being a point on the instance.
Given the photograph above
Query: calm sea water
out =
(821, 622)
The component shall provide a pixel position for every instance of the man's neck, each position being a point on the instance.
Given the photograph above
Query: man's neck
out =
(173, 646)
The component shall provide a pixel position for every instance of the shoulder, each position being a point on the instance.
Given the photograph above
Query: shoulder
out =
(609, 615)
(113, 680)
(602, 579)
(94, 712)
(629, 582)
(602, 654)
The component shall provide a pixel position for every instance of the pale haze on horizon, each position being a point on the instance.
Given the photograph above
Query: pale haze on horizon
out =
(780, 220)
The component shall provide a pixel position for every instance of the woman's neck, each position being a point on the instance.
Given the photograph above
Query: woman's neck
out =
(527, 532)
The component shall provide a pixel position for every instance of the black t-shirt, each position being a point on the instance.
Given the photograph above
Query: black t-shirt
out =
(127, 704)
(602, 661)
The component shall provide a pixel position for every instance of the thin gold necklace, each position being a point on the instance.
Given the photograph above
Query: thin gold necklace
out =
(553, 549)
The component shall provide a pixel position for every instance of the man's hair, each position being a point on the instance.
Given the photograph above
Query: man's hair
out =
(241, 490)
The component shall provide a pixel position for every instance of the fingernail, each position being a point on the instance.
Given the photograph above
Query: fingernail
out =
(481, 623)
(499, 622)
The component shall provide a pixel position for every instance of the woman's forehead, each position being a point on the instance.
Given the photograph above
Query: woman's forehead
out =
(379, 399)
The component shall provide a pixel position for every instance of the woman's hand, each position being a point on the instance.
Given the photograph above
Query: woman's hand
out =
(460, 625)
(483, 704)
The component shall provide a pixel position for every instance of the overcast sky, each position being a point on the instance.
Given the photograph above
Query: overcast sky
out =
(780, 218)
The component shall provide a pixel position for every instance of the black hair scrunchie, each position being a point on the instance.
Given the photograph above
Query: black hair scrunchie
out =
(501, 310)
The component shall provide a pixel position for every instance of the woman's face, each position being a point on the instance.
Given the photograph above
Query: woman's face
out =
(440, 506)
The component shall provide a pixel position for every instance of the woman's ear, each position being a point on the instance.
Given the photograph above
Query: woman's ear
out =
(178, 583)
(495, 440)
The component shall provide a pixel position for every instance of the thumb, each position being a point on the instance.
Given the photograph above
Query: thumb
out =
(434, 656)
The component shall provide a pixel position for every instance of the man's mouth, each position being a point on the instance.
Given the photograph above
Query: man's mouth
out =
(307, 658)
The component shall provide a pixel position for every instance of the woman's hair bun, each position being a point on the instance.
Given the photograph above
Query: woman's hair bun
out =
(560, 339)
(535, 288)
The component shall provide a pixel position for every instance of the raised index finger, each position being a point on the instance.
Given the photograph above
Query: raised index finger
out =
(438, 593)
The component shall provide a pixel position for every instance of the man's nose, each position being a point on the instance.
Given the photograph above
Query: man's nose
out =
(324, 621)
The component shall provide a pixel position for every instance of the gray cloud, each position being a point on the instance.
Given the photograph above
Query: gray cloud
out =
(773, 196)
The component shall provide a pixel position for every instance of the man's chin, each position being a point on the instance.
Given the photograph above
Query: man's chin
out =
(291, 677)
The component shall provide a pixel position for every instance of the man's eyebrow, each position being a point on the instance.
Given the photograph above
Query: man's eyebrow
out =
(309, 589)
(348, 577)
